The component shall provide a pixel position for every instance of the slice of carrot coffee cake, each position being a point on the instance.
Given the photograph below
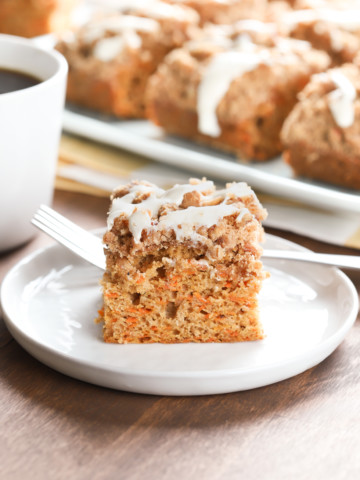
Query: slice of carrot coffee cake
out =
(183, 265)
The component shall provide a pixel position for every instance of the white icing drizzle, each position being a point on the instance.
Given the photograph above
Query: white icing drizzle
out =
(215, 34)
(152, 8)
(288, 45)
(160, 10)
(341, 100)
(240, 190)
(256, 26)
(219, 74)
(123, 5)
(348, 19)
(241, 215)
(144, 215)
(299, 16)
(108, 49)
(118, 25)
(244, 43)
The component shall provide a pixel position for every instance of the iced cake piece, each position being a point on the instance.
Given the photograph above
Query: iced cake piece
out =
(111, 57)
(329, 26)
(321, 136)
(183, 265)
(36, 17)
(233, 98)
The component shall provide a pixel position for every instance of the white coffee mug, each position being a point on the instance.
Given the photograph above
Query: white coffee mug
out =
(30, 127)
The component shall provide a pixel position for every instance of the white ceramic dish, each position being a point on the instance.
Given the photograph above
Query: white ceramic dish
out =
(142, 137)
(50, 299)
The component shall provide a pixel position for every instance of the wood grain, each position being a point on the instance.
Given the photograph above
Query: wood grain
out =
(54, 427)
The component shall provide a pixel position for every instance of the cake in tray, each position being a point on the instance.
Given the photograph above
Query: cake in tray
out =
(183, 265)
(36, 17)
(235, 97)
(321, 136)
(112, 56)
(329, 26)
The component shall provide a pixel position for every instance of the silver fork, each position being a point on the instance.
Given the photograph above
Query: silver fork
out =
(90, 247)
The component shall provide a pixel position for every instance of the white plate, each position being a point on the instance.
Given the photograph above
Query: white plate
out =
(50, 300)
(274, 176)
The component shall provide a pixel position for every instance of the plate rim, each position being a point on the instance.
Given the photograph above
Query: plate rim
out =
(329, 343)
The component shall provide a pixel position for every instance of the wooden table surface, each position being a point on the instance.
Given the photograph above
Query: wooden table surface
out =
(55, 427)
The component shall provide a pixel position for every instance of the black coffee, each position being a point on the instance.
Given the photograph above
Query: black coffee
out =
(11, 80)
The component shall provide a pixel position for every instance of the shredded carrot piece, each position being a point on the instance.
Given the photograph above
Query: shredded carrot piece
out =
(101, 312)
(228, 284)
(132, 309)
(175, 278)
(200, 298)
(140, 311)
(131, 320)
(140, 280)
(111, 295)
(190, 271)
(232, 333)
(236, 299)
(189, 298)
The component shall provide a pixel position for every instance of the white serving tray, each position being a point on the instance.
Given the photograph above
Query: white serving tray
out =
(273, 177)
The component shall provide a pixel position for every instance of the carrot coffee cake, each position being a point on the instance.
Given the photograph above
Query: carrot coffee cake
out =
(235, 99)
(111, 58)
(322, 134)
(183, 265)
(36, 17)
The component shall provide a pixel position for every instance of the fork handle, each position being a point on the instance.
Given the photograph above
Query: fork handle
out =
(345, 261)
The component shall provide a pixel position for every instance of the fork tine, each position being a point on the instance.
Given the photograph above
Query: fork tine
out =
(77, 238)
(62, 223)
(96, 258)
(87, 255)
(81, 242)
